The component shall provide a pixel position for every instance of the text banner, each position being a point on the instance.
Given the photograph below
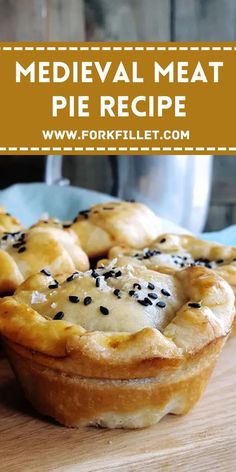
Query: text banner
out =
(117, 98)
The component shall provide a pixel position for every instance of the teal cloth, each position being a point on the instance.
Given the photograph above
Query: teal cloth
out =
(30, 201)
(225, 236)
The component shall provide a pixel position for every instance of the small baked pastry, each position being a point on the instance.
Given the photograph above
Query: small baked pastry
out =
(116, 346)
(108, 224)
(8, 223)
(176, 251)
(24, 253)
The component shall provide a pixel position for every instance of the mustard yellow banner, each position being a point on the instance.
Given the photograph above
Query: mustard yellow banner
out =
(117, 98)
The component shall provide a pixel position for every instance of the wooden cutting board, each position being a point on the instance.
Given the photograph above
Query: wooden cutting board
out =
(204, 440)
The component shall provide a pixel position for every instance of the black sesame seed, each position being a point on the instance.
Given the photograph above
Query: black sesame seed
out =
(87, 301)
(144, 302)
(6, 237)
(150, 253)
(163, 240)
(74, 299)
(138, 286)
(118, 274)
(194, 305)
(54, 285)
(98, 280)
(17, 245)
(65, 226)
(104, 310)
(84, 213)
(22, 249)
(94, 274)
(131, 293)
(72, 277)
(165, 292)
(151, 286)
(161, 304)
(147, 301)
(108, 274)
(152, 295)
(117, 293)
(46, 272)
(202, 261)
(59, 315)
(220, 261)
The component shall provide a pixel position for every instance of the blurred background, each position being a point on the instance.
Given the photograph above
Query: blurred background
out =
(197, 192)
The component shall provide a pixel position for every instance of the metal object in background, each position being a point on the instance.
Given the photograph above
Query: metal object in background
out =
(175, 187)
(53, 171)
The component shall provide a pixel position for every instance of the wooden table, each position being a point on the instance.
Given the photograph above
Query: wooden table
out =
(204, 440)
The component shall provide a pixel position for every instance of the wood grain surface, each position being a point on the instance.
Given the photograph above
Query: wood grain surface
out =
(204, 440)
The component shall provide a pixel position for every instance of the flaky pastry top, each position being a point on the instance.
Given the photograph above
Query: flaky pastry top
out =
(115, 319)
(177, 251)
(24, 253)
(105, 225)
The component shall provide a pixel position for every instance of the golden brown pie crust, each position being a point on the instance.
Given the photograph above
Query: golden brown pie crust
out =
(118, 379)
(76, 401)
(203, 252)
(27, 252)
(108, 224)
(8, 223)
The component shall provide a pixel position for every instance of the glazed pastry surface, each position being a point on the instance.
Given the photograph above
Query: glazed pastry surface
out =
(175, 251)
(132, 299)
(184, 310)
(8, 223)
(126, 345)
(105, 225)
(26, 252)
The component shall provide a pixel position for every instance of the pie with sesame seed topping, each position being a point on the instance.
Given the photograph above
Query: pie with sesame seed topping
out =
(26, 252)
(108, 359)
(176, 251)
(107, 224)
